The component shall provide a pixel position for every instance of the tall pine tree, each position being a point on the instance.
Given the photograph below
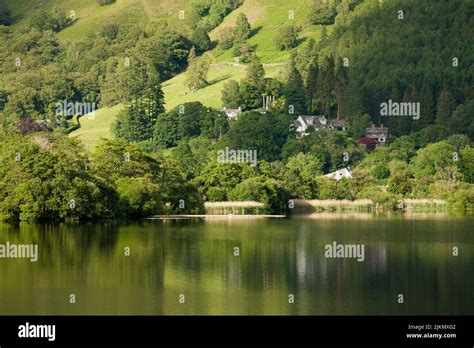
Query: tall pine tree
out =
(242, 30)
(340, 87)
(145, 101)
(295, 94)
(444, 107)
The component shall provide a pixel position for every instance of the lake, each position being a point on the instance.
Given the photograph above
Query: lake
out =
(242, 267)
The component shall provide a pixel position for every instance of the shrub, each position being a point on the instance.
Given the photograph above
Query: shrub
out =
(55, 20)
(323, 12)
(334, 189)
(400, 183)
(201, 40)
(139, 197)
(245, 51)
(381, 171)
(287, 38)
(384, 200)
(226, 38)
(216, 194)
(462, 199)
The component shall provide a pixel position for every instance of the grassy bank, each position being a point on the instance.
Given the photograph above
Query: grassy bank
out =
(236, 208)
(423, 205)
(315, 205)
(367, 205)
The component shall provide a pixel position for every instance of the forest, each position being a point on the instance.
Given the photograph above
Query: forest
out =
(161, 160)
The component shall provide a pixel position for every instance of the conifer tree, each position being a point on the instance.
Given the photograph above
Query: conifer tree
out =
(444, 107)
(242, 30)
(340, 87)
(295, 94)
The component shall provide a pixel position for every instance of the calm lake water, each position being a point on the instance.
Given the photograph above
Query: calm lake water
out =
(409, 255)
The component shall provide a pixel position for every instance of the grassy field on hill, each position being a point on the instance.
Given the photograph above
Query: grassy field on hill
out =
(266, 18)
(93, 129)
(176, 93)
(91, 17)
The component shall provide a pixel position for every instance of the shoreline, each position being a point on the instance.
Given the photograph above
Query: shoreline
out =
(301, 208)
(317, 214)
(370, 206)
(214, 216)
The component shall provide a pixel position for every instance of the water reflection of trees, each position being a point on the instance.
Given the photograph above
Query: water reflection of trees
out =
(276, 258)
(399, 257)
(63, 244)
(89, 251)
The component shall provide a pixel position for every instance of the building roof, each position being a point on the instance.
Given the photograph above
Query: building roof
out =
(297, 123)
(339, 174)
(232, 112)
(377, 129)
(311, 120)
(338, 123)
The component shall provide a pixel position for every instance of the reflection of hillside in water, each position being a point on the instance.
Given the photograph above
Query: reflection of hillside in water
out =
(277, 258)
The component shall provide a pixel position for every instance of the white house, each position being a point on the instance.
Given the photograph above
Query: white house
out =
(303, 122)
(232, 113)
(339, 174)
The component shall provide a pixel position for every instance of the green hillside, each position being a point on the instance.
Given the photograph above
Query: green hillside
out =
(176, 93)
(97, 127)
(387, 57)
(90, 16)
(378, 90)
(267, 18)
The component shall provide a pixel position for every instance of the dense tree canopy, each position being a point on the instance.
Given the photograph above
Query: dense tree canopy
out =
(264, 133)
(5, 15)
(167, 161)
(189, 120)
(50, 176)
